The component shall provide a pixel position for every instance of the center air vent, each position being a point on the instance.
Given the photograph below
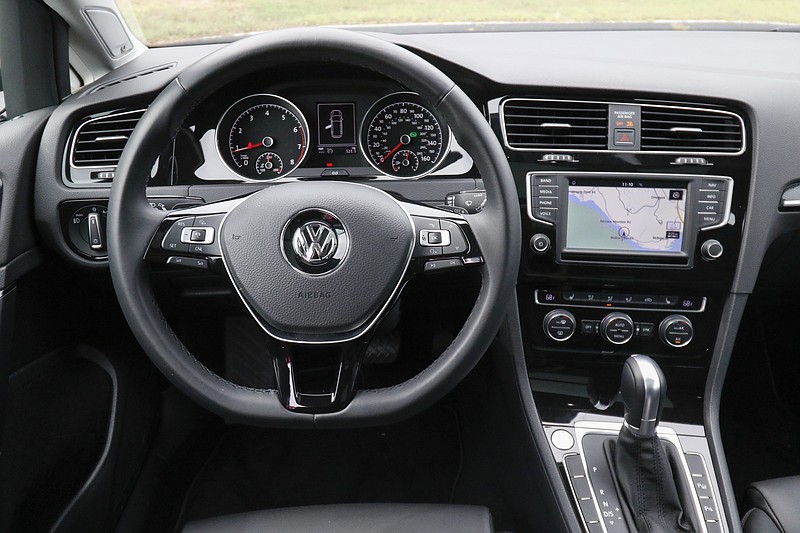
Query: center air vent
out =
(675, 129)
(554, 124)
(99, 141)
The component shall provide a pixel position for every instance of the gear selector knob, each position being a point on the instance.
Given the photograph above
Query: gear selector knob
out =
(644, 391)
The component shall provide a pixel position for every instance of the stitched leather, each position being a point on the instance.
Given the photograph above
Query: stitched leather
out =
(646, 479)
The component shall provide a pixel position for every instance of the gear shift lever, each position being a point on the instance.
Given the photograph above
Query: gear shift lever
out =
(644, 390)
(640, 460)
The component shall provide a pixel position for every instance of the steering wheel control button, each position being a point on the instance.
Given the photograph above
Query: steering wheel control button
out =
(676, 331)
(197, 235)
(458, 243)
(540, 243)
(711, 249)
(191, 262)
(434, 237)
(212, 221)
(172, 240)
(617, 328)
(562, 439)
(424, 227)
(315, 242)
(437, 265)
(559, 325)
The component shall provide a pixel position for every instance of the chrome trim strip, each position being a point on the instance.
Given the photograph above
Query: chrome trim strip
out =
(668, 434)
(70, 155)
(575, 496)
(726, 214)
(507, 99)
(292, 108)
(442, 154)
(652, 396)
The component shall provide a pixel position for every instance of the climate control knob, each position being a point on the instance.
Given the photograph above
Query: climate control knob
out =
(559, 325)
(676, 331)
(617, 328)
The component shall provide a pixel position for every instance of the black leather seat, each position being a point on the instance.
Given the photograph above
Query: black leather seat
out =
(772, 506)
(353, 518)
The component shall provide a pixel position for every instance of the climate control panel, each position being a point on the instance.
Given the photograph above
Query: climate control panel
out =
(604, 323)
(675, 331)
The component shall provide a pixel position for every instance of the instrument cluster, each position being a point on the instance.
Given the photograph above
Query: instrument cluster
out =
(265, 136)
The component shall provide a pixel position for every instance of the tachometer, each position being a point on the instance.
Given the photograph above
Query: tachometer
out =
(263, 137)
(403, 138)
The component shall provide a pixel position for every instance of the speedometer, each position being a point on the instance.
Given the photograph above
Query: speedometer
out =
(263, 137)
(401, 137)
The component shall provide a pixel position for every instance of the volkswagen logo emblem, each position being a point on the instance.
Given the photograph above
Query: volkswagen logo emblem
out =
(315, 242)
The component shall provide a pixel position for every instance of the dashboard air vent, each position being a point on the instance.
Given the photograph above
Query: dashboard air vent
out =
(99, 141)
(554, 124)
(675, 129)
(135, 75)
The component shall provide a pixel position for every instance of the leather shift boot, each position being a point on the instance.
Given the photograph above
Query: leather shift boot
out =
(643, 472)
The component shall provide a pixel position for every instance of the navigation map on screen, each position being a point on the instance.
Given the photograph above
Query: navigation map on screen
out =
(628, 217)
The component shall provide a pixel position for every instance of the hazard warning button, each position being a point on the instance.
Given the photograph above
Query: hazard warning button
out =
(624, 137)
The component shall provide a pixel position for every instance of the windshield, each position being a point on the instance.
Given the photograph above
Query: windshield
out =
(165, 21)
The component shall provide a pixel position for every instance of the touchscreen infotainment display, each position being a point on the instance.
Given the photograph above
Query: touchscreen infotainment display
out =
(626, 216)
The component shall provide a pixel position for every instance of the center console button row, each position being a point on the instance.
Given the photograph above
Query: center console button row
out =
(576, 476)
(640, 329)
(619, 300)
(705, 495)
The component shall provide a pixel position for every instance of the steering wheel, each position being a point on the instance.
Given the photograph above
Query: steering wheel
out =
(317, 263)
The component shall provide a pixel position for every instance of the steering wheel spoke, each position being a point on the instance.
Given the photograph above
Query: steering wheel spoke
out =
(317, 378)
(189, 238)
(444, 240)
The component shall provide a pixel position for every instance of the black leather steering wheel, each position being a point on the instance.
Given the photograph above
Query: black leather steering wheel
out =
(331, 305)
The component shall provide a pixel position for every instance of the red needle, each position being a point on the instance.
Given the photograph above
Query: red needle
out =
(393, 150)
(249, 146)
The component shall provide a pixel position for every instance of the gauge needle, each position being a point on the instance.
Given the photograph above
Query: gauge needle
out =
(249, 146)
(393, 150)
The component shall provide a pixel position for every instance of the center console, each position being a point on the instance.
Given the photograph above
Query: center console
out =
(630, 246)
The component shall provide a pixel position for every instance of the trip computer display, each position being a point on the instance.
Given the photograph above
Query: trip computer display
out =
(336, 131)
(618, 216)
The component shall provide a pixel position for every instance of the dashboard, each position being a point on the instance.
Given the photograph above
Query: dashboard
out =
(257, 130)
(653, 169)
